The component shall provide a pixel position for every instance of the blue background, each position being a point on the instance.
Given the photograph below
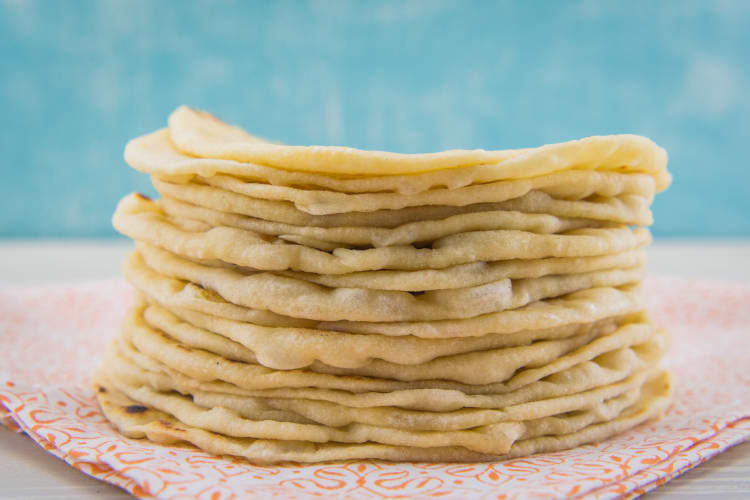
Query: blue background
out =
(79, 78)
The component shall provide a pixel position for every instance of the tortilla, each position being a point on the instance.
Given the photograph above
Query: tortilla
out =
(301, 299)
(569, 185)
(544, 358)
(156, 154)
(202, 135)
(624, 209)
(365, 236)
(162, 427)
(143, 220)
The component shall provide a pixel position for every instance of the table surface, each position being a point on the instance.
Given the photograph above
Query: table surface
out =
(27, 471)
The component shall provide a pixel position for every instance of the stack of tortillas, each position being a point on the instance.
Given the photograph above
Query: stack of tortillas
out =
(324, 303)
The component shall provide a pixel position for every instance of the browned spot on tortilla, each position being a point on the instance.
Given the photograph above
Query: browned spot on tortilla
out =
(135, 409)
(143, 196)
(101, 389)
(169, 425)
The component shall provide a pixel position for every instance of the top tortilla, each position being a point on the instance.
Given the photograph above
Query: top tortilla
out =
(200, 135)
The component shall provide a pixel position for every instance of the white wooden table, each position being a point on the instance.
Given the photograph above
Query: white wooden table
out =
(27, 471)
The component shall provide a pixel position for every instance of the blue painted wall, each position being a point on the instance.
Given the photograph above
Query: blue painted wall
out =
(79, 78)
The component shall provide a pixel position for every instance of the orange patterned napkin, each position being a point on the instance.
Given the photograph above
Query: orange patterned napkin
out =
(51, 338)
